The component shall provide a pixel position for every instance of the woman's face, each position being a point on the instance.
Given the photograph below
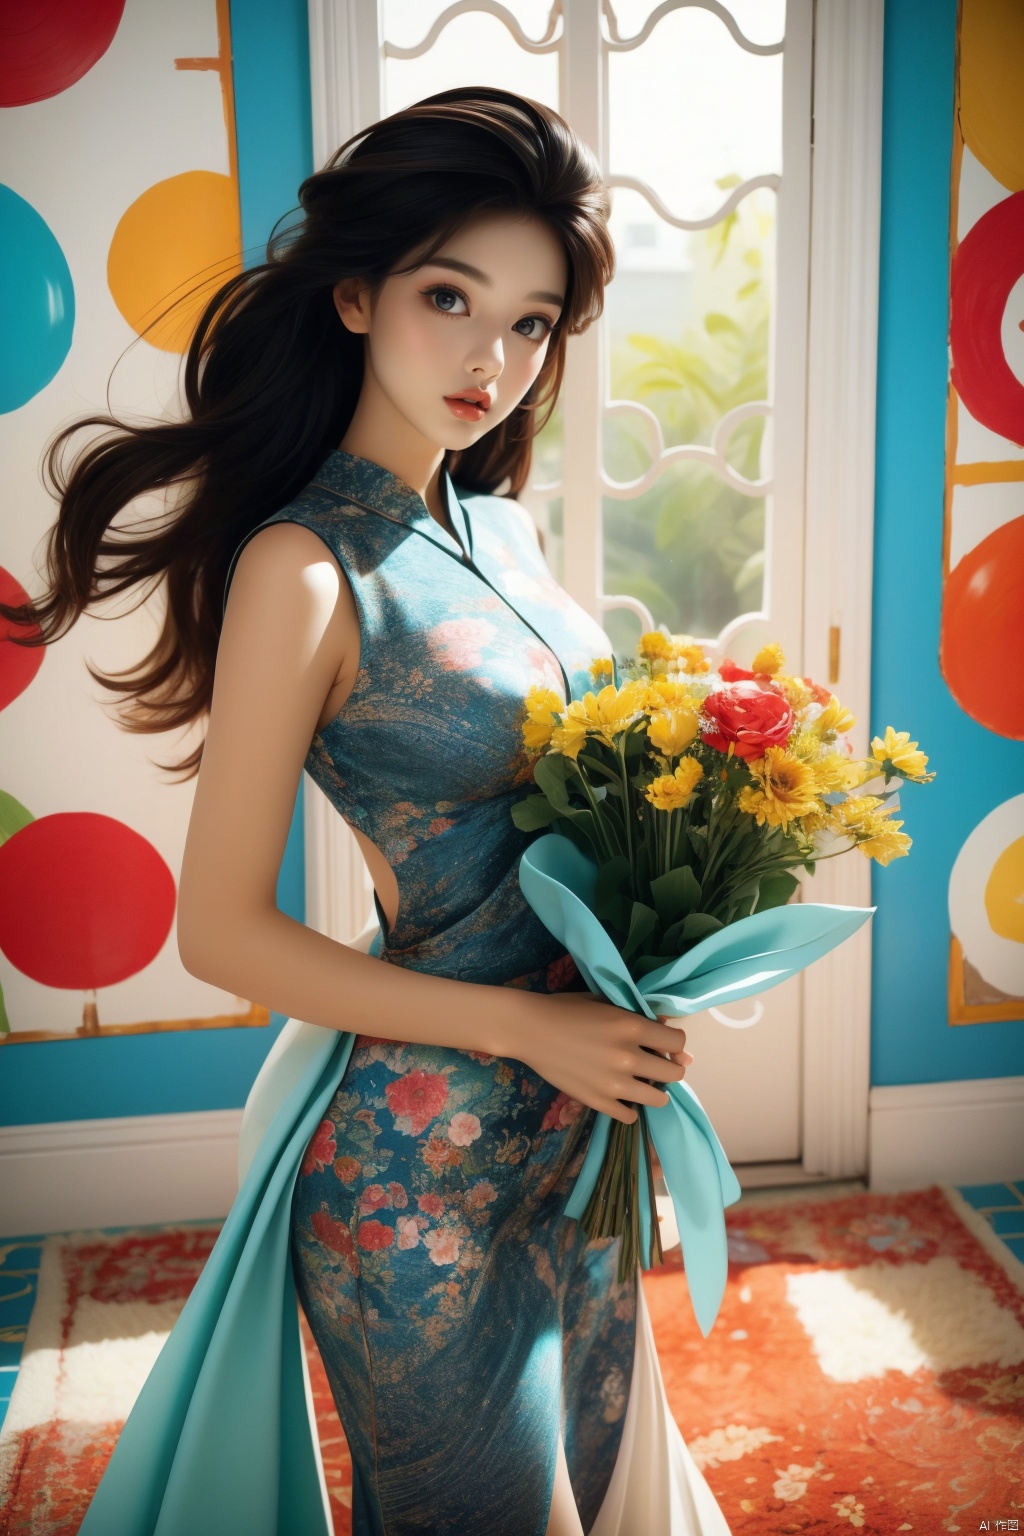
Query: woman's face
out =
(472, 321)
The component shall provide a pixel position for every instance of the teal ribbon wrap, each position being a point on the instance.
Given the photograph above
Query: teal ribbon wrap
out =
(752, 955)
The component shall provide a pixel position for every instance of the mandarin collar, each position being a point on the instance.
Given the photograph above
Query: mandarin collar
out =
(372, 486)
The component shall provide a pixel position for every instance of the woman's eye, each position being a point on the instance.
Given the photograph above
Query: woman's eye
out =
(536, 320)
(445, 301)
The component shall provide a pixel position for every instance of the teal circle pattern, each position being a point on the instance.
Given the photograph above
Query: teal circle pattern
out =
(37, 302)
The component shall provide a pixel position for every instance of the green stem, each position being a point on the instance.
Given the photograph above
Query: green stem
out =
(627, 813)
(600, 822)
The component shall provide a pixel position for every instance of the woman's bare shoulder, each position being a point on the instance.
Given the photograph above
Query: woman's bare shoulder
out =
(286, 571)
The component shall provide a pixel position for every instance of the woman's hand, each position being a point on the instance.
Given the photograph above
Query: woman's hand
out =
(599, 1054)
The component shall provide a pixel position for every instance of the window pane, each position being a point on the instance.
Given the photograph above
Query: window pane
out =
(719, 112)
(760, 20)
(687, 318)
(474, 49)
(691, 549)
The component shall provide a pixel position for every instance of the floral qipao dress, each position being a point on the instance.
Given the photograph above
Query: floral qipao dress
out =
(462, 1319)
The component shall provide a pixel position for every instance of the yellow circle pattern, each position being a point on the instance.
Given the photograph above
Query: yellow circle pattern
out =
(171, 250)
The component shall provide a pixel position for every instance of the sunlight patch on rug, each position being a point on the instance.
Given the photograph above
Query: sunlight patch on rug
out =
(883, 1317)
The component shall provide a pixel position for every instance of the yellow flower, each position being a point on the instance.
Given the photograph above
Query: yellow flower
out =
(688, 656)
(887, 843)
(602, 670)
(852, 816)
(672, 730)
(543, 706)
(769, 659)
(870, 822)
(795, 690)
(834, 719)
(669, 693)
(783, 789)
(654, 646)
(898, 754)
(568, 737)
(604, 715)
(672, 791)
(835, 773)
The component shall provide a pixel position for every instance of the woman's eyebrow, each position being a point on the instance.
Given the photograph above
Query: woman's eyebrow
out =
(481, 277)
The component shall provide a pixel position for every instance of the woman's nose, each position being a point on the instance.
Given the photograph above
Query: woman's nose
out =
(487, 358)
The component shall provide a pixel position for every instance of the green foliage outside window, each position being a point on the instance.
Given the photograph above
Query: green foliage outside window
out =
(691, 548)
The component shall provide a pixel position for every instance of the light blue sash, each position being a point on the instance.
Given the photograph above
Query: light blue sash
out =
(221, 1439)
(752, 955)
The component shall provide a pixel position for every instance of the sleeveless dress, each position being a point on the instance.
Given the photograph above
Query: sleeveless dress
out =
(462, 1319)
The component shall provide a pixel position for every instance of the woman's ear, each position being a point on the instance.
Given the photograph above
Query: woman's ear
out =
(352, 301)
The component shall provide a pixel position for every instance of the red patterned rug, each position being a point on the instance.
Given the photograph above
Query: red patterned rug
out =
(865, 1374)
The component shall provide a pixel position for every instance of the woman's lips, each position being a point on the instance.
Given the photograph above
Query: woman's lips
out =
(466, 410)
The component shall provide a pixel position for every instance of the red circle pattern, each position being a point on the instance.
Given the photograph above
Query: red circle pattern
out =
(18, 663)
(986, 264)
(983, 631)
(85, 901)
(47, 45)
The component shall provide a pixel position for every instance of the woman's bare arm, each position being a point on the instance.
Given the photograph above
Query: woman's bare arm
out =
(291, 632)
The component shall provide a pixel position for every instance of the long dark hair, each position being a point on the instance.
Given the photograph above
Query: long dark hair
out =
(272, 378)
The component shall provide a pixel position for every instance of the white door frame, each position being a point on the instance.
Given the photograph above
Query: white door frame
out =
(842, 327)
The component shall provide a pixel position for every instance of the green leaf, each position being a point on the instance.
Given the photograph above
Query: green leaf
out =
(716, 324)
(676, 893)
(642, 924)
(644, 964)
(534, 812)
(5, 1023)
(550, 774)
(601, 768)
(13, 816)
(579, 827)
(688, 930)
(611, 877)
(616, 915)
(776, 890)
(698, 925)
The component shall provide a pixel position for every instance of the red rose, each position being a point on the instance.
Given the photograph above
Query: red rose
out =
(374, 1234)
(749, 718)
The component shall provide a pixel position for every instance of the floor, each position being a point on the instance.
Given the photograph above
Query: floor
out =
(1001, 1204)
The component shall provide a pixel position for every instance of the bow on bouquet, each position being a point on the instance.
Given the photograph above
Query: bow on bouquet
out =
(681, 800)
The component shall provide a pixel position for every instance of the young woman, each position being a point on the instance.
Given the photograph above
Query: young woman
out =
(360, 416)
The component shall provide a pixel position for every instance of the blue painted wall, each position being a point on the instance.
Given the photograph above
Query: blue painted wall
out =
(911, 1039)
(207, 1068)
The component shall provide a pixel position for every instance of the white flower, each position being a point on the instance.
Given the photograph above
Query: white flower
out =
(463, 1129)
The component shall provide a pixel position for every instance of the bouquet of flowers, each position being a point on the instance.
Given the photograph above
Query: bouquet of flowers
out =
(682, 800)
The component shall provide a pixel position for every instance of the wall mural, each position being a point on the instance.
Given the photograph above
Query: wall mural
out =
(118, 196)
(983, 596)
